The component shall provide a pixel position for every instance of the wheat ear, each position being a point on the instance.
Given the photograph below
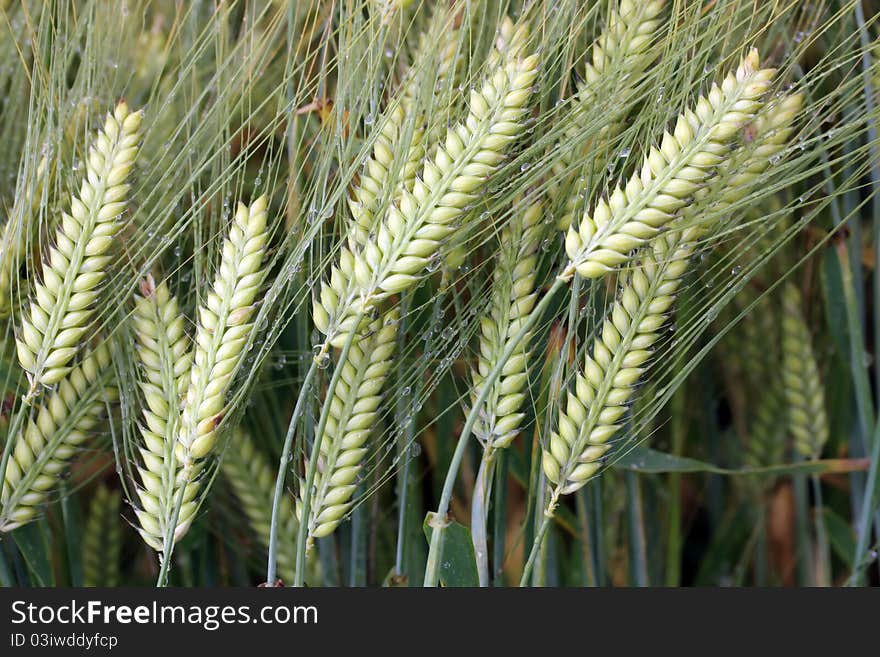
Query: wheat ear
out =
(590, 415)
(512, 298)
(737, 175)
(253, 481)
(419, 221)
(761, 364)
(223, 327)
(50, 439)
(379, 179)
(804, 394)
(11, 253)
(102, 539)
(386, 10)
(620, 54)
(510, 41)
(62, 305)
(670, 174)
(14, 241)
(163, 351)
(353, 412)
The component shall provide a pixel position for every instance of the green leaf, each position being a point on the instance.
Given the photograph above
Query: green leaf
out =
(645, 459)
(458, 563)
(33, 543)
(841, 537)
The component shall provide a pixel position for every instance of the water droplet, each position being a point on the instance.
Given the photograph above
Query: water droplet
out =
(447, 333)
(177, 251)
(406, 391)
(415, 450)
(624, 153)
(736, 270)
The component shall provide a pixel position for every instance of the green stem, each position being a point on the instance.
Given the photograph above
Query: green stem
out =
(823, 563)
(596, 524)
(405, 442)
(805, 553)
(673, 516)
(271, 566)
(539, 571)
(499, 520)
(168, 547)
(306, 493)
(585, 537)
(538, 542)
(871, 134)
(432, 569)
(479, 511)
(636, 520)
(864, 526)
(761, 545)
(402, 495)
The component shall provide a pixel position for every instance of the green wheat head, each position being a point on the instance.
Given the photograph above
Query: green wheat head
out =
(512, 297)
(163, 350)
(353, 413)
(60, 425)
(803, 389)
(670, 176)
(418, 222)
(62, 305)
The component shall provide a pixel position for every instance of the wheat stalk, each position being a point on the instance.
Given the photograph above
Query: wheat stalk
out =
(163, 350)
(670, 175)
(223, 327)
(62, 305)
(252, 481)
(102, 539)
(353, 413)
(802, 386)
(415, 226)
(620, 54)
(49, 440)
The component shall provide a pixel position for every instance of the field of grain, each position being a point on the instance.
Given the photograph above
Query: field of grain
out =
(440, 292)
